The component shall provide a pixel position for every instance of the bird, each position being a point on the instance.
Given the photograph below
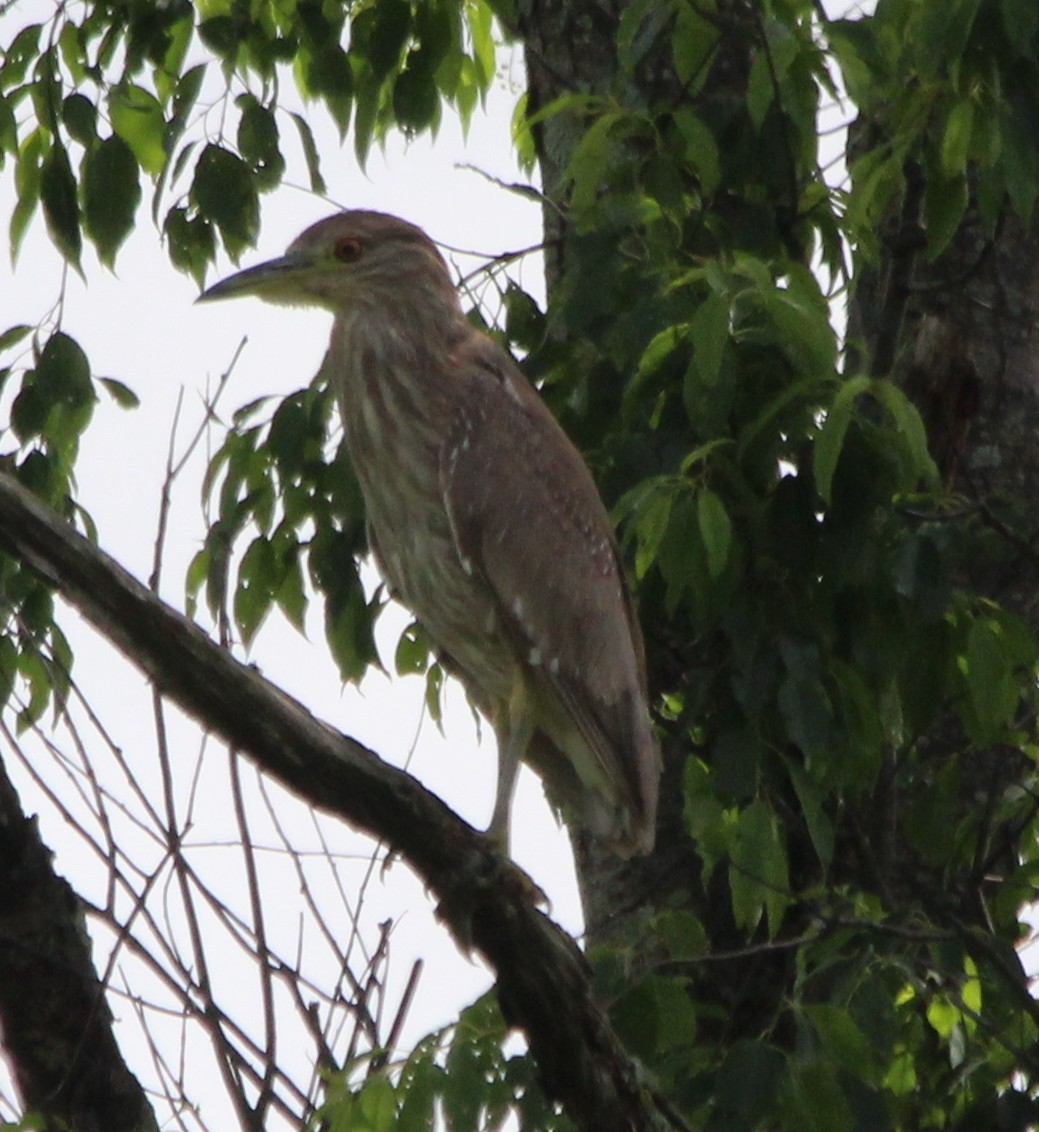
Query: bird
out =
(483, 520)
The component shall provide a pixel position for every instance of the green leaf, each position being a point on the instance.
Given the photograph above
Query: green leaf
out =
(830, 441)
(288, 436)
(60, 209)
(121, 394)
(8, 668)
(415, 98)
(63, 370)
(480, 18)
(649, 517)
(844, 1043)
(682, 934)
(291, 594)
(258, 143)
(943, 1016)
(703, 814)
(819, 1101)
(715, 530)
(956, 138)
(80, 117)
(138, 119)
(811, 796)
(709, 331)
(185, 95)
(378, 35)
(1021, 161)
(366, 102)
(310, 154)
(13, 336)
(56, 398)
(990, 678)
(524, 319)
(806, 709)
(224, 192)
(945, 204)
(329, 74)
(660, 348)
(1020, 21)
(192, 245)
(111, 194)
(749, 1079)
(971, 991)
(758, 875)
(8, 128)
(420, 1083)
(804, 331)
(349, 624)
(656, 1015)
(36, 675)
(254, 593)
(434, 698)
(760, 88)
(222, 34)
(946, 29)
(23, 50)
(910, 425)
(693, 41)
(378, 1104)
(413, 652)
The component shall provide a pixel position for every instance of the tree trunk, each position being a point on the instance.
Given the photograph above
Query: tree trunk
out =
(56, 1024)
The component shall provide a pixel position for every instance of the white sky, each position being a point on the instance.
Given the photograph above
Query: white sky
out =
(140, 325)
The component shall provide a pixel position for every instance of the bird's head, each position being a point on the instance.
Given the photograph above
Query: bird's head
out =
(350, 257)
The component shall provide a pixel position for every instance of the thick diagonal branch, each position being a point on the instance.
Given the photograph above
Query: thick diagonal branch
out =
(542, 980)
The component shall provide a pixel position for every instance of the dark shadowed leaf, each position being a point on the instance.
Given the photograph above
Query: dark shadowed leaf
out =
(191, 243)
(60, 208)
(80, 117)
(258, 142)
(224, 192)
(111, 194)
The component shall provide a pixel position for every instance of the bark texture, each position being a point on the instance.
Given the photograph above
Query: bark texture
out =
(54, 1019)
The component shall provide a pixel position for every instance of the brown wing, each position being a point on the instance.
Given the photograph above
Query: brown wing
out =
(525, 513)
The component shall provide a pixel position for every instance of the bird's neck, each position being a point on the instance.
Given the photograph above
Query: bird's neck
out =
(410, 329)
(395, 354)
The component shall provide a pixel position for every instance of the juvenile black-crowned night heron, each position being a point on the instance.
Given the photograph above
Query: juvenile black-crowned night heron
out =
(483, 519)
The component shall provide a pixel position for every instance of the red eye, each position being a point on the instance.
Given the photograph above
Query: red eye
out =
(347, 249)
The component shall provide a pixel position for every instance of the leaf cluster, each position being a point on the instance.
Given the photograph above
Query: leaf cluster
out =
(460, 1076)
(50, 404)
(105, 97)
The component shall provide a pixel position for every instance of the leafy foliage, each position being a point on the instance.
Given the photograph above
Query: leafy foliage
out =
(824, 659)
(461, 1075)
(112, 99)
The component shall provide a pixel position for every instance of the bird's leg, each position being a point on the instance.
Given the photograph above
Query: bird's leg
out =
(513, 726)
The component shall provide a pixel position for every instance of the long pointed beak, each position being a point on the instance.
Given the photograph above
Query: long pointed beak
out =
(265, 280)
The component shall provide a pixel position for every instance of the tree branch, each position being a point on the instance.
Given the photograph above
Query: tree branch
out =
(55, 1021)
(485, 900)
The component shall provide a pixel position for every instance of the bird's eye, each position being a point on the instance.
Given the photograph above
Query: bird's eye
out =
(348, 249)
